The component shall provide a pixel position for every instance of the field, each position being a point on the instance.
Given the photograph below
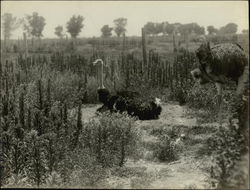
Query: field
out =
(52, 136)
(146, 171)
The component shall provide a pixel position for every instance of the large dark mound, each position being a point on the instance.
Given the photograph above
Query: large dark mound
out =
(130, 102)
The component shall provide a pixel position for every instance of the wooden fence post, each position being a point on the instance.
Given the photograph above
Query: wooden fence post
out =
(144, 50)
(25, 54)
(174, 40)
(123, 52)
(25, 45)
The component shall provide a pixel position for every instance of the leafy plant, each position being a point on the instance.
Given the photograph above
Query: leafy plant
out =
(111, 139)
(36, 166)
(165, 150)
(227, 147)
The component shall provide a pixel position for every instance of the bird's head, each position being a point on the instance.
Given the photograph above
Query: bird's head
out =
(182, 136)
(98, 61)
(199, 76)
(157, 101)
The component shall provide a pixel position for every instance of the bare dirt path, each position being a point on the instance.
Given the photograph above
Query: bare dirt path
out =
(186, 172)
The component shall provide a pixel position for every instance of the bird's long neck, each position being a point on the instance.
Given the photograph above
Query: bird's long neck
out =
(100, 73)
(101, 76)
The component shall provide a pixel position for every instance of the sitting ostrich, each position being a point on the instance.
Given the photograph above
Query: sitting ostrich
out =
(126, 101)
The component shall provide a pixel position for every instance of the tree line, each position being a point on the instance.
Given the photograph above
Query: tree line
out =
(34, 25)
(166, 28)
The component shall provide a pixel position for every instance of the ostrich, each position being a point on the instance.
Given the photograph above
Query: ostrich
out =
(126, 101)
(219, 63)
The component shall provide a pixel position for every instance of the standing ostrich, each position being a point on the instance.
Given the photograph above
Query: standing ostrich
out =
(126, 101)
(220, 63)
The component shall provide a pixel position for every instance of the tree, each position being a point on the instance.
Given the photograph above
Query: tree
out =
(245, 31)
(59, 31)
(186, 29)
(106, 31)
(200, 30)
(34, 25)
(164, 25)
(75, 25)
(158, 28)
(176, 27)
(169, 29)
(152, 28)
(120, 25)
(212, 30)
(230, 28)
(149, 28)
(9, 24)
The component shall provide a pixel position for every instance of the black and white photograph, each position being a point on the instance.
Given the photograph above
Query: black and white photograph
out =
(124, 94)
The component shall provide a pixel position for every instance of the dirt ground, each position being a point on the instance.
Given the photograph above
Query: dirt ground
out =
(189, 171)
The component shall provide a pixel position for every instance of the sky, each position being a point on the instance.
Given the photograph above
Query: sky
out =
(138, 13)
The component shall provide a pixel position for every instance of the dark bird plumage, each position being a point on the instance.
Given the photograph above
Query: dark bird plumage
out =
(126, 101)
(130, 102)
(219, 64)
(226, 60)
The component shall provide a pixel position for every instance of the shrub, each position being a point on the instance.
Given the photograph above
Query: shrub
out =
(17, 181)
(178, 94)
(92, 86)
(169, 145)
(35, 166)
(65, 87)
(202, 96)
(165, 150)
(85, 169)
(111, 139)
(226, 147)
(54, 180)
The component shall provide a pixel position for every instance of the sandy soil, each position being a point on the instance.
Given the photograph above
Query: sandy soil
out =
(187, 172)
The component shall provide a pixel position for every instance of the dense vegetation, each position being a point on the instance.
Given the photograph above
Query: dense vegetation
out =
(46, 143)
